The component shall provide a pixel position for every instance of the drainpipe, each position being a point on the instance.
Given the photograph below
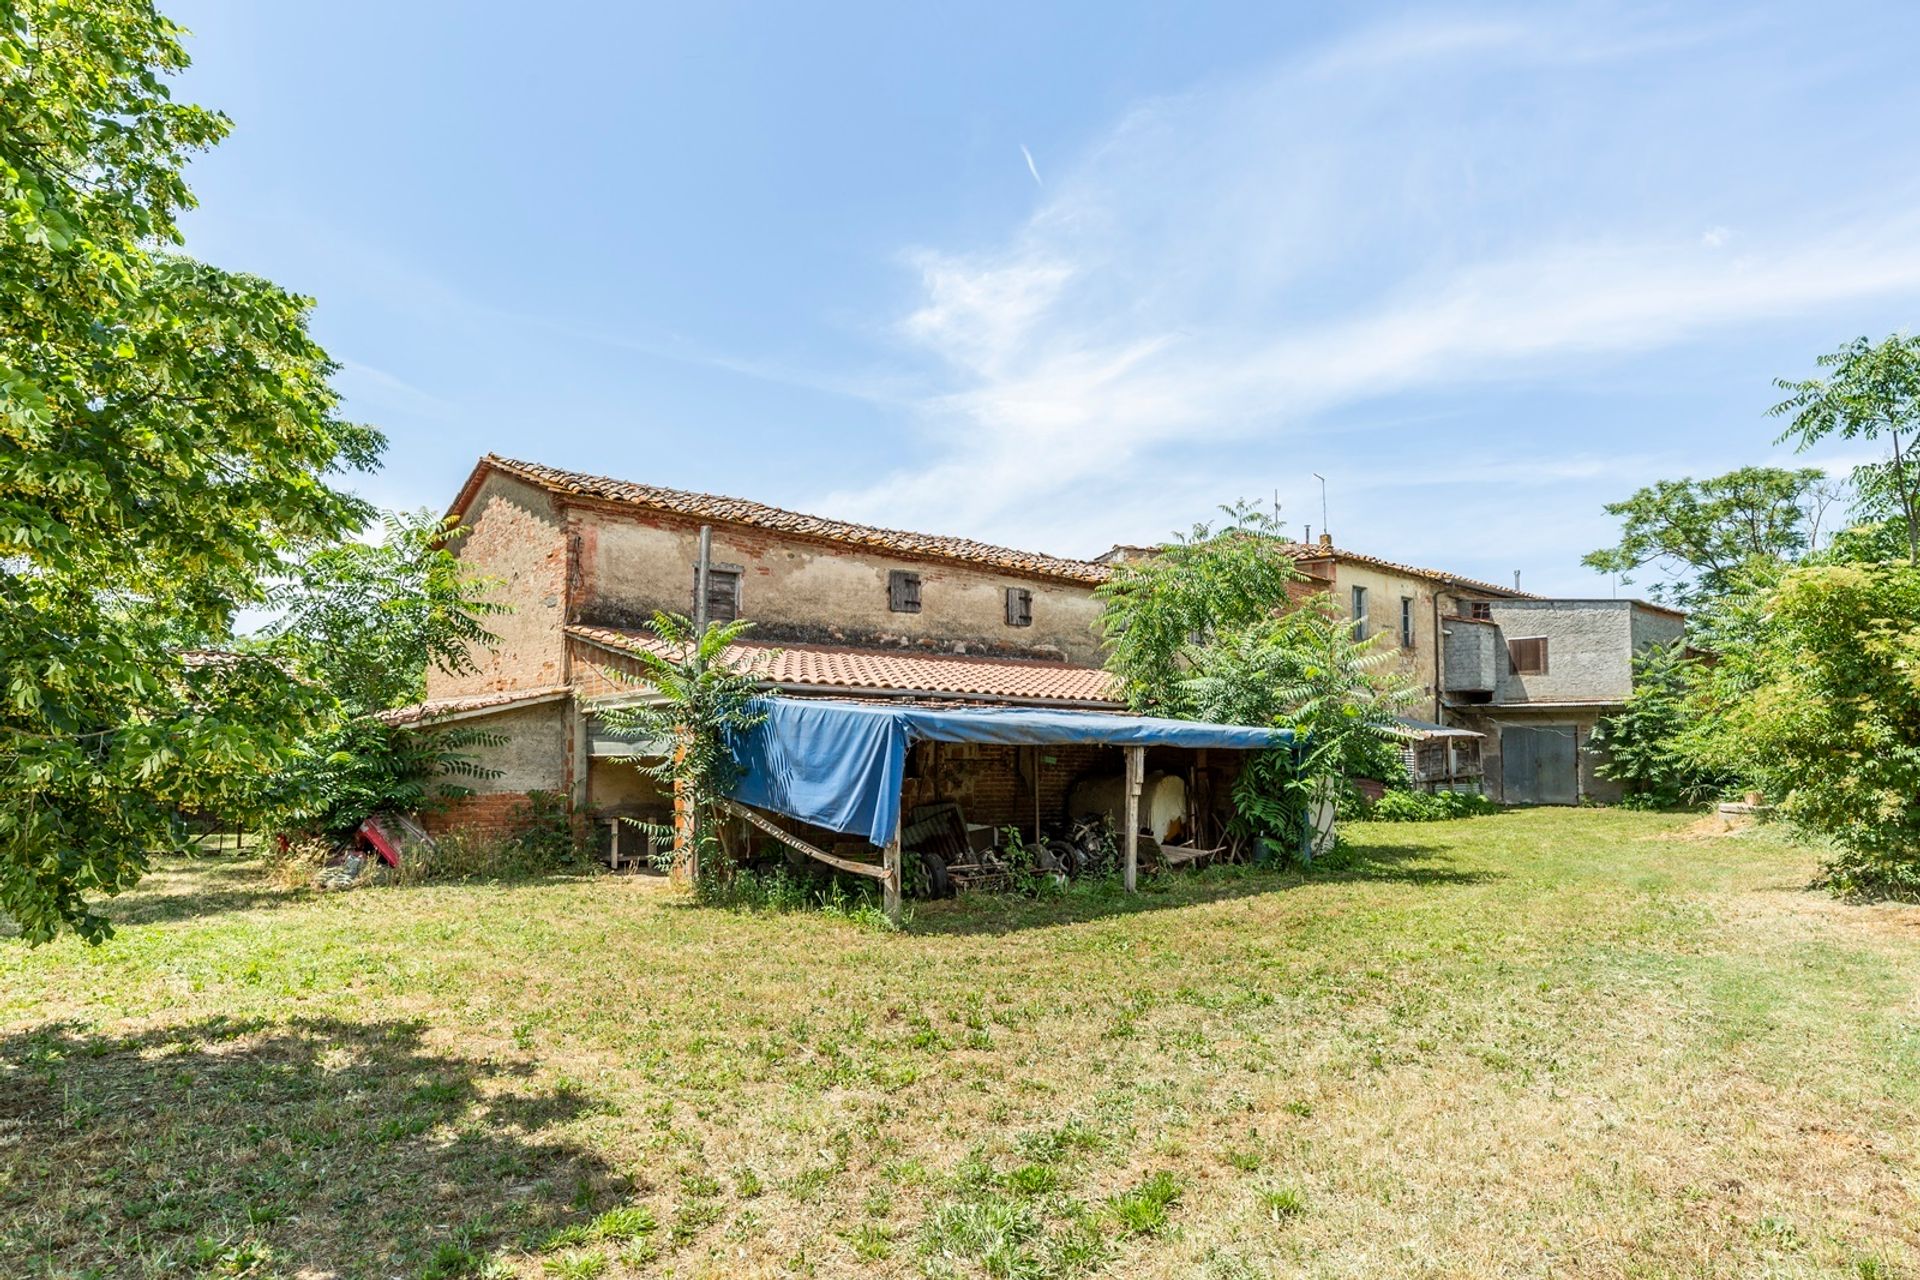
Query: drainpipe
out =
(1437, 666)
(702, 568)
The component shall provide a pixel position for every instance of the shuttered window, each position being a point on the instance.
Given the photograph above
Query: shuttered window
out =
(1019, 607)
(723, 592)
(903, 591)
(1406, 622)
(1527, 657)
(1359, 613)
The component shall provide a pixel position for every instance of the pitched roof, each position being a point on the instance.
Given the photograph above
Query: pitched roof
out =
(453, 708)
(723, 510)
(813, 666)
(1322, 551)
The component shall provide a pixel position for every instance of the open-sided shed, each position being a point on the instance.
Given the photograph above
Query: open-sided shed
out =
(842, 765)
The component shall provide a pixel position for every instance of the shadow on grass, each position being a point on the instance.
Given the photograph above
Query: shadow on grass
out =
(308, 1146)
(1406, 859)
(198, 885)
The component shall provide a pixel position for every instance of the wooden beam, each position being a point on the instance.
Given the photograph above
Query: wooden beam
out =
(876, 871)
(1136, 772)
(890, 882)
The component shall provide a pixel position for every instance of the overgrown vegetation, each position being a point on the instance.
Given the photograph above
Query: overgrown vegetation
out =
(695, 704)
(168, 435)
(1644, 745)
(1422, 806)
(508, 1079)
(1809, 694)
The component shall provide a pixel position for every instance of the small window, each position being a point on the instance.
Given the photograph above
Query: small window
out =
(1019, 607)
(723, 591)
(1359, 613)
(1480, 609)
(1406, 622)
(903, 591)
(1528, 657)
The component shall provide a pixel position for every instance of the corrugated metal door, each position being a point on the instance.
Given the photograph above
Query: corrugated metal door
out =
(1538, 764)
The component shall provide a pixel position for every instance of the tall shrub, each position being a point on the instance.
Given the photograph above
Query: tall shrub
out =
(1823, 711)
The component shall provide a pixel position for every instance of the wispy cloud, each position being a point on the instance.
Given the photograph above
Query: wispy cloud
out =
(1032, 168)
(1375, 218)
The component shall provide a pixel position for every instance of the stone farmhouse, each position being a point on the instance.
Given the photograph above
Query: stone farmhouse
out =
(844, 609)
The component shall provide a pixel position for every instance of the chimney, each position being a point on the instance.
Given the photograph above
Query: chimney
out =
(1326, 540)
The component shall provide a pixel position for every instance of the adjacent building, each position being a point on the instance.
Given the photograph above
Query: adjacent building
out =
(1535, 677)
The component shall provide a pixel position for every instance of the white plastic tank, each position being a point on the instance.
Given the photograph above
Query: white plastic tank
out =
(1163, 803)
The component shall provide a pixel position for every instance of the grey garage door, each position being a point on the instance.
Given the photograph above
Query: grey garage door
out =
(1537, 764)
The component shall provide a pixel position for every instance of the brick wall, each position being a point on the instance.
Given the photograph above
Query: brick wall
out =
(516, 538)
(497, 813)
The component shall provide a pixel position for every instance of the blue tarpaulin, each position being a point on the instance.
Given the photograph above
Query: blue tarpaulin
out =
(840, 765)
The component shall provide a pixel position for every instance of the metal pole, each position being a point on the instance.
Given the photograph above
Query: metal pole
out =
(701, 569)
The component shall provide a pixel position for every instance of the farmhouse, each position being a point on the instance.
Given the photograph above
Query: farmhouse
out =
(852, 612)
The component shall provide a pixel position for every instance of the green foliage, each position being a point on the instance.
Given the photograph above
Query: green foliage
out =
(367, 619)
(1436, 806)
(361, 766)
(167, 431)
(1702, 533)
(1157, 611)
(1642, 745)
(698, 704)
(1302, 670)
(1871, 393)
(1821, 709)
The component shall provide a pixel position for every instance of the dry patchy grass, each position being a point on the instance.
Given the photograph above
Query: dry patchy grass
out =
(1548, 1043)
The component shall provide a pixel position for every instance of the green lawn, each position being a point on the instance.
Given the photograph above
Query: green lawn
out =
(1548, 1043)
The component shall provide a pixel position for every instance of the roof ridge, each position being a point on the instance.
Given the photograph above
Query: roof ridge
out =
(731, 510)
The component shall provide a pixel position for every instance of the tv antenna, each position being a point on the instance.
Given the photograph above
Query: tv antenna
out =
(1324, 526)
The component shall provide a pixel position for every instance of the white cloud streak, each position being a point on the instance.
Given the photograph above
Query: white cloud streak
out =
(1375, 219)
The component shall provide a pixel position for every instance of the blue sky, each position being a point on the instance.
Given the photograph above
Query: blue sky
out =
(1065, 277)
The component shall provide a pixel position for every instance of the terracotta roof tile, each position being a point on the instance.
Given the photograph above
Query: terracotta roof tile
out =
(837, 667)
(466, 704)
(707, 506)
(1320, 551)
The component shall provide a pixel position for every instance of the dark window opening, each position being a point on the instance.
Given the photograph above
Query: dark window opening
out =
(1019, 607)
(1359, 613)
(723, 592)
(903, 591)
(1406, 622)
(1481, 609)
(1527, 657)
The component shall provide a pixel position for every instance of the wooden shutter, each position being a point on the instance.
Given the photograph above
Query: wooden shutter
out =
(903, 591)
(1019, 607)
(723, 593)
(1527, 657)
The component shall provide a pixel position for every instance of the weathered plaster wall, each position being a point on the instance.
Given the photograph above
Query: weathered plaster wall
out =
(515, 536)
(531, 757)
(796, 590)
(1589, 649)
(1655, 626)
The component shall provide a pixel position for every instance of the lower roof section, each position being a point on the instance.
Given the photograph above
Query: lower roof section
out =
(903, 673)
(441, 710)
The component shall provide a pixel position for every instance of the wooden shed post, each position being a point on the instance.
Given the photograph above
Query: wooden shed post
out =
(1136, 772)
(890, 882)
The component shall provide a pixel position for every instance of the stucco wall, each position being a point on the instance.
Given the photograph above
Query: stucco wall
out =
(1589, 649)
(1655, 626)
(533, 755)
(516, 537)
(797, 590)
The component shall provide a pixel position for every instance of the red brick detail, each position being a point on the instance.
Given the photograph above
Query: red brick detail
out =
(496, 813)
